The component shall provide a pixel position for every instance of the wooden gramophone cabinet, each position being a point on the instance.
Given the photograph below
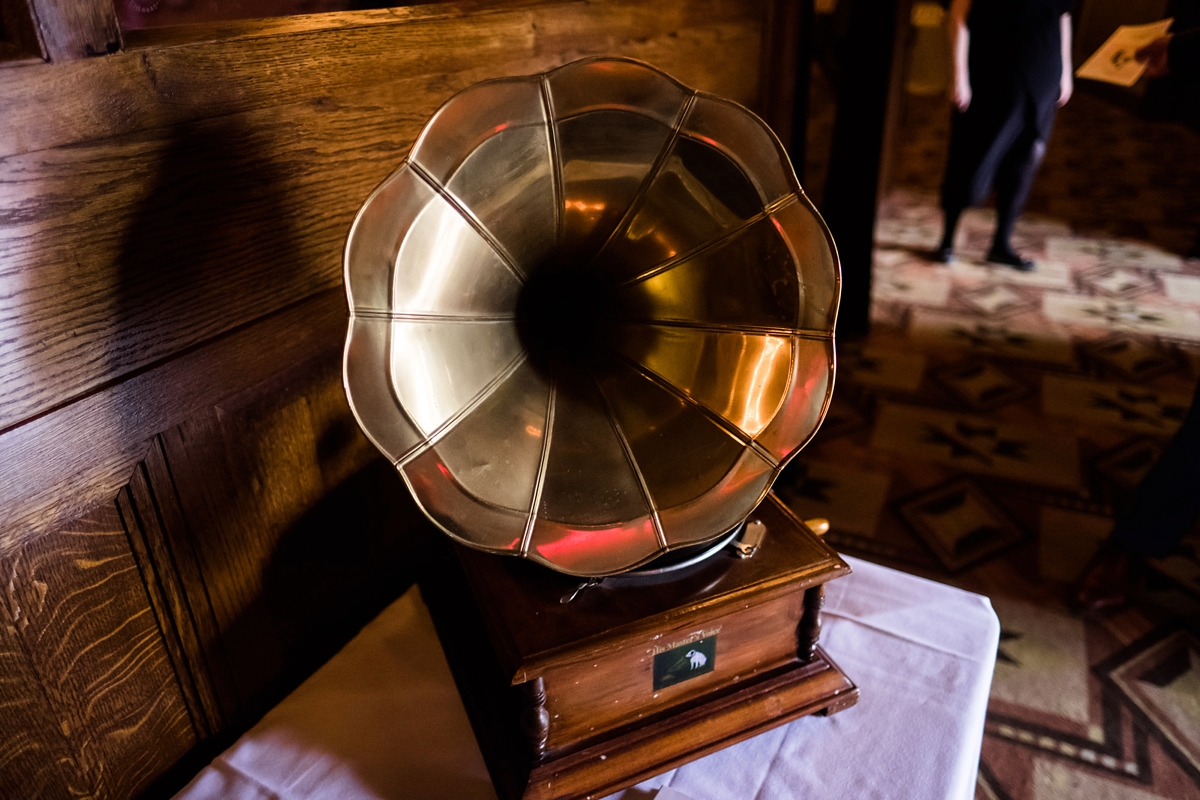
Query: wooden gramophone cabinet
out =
(584, 697)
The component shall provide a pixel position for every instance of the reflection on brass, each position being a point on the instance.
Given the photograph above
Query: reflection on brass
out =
(818, 525)
(591, 316)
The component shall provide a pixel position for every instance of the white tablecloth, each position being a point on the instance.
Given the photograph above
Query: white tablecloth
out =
(382, 718)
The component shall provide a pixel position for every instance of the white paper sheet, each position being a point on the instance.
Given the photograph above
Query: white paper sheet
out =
(1114, 62)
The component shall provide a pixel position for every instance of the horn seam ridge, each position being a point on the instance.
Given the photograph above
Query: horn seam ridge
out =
(651, 176)
(408, 316)
(556, 174)
(543, 466)
(728, 427)
(807, 334)
(443, 430)
(651, 506)
(712, 244)
(471, 220)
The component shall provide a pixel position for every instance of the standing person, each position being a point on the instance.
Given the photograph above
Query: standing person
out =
(1011, 70)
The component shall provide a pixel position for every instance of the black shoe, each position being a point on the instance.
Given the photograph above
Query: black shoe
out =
(942, 255)
(1010, 259)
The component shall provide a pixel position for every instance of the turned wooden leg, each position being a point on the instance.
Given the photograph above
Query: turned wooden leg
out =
(535, 718)
(809, 630)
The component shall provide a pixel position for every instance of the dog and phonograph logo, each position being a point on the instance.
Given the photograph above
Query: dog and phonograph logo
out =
(690, 657)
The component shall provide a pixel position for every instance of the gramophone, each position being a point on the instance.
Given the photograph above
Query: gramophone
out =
(591, 320)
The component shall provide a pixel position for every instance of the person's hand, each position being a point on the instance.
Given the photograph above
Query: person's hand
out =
(1155, 57)
(1066, 87)
(960, 92)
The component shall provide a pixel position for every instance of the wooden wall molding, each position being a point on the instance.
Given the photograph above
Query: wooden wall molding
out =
(76, 29)
(416, 62)
(175, 608)
(190, 519)
(150, 510)
(20, 42)
(65, 462)
(229, 30)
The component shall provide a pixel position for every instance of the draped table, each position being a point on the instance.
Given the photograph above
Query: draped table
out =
(382, 718)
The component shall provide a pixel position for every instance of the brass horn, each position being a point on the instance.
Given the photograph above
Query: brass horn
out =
(591, 316)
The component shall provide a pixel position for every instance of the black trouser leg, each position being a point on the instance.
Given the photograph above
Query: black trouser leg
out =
(979, 139)
(950, 225)
(1014, 179)
(967, 147)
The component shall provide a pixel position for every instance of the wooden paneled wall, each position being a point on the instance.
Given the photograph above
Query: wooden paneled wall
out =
(190, 520)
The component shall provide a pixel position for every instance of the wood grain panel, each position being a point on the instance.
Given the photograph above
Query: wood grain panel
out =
(259, 532)
(244, 498)
(35, 756)
(78, 614)
(61, 463)
(114, 255)
(194, 659)
(159, 87)
(228, 30)
(214, 229)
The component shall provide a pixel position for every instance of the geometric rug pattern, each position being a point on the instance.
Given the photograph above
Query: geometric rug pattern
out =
(986, 429)
(982, 436)
(984, 432)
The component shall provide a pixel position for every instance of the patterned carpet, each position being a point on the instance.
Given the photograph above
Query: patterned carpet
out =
(985, 430)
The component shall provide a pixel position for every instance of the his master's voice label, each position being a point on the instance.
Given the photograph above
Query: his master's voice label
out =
(685, 661)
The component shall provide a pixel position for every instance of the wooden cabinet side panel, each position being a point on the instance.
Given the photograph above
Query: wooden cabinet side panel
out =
(250, 540)
(589, 696)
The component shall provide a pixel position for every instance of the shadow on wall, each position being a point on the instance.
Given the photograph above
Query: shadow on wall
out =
(330, 573)
(211, 239)
(298, 526)
(350, 555)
